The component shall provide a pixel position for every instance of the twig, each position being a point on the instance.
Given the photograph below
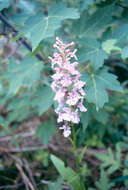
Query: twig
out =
(21, 39)
(27, 134)
(23, 149)
(29, 149)
(26, 165)
(11, 186)
(23, 176)
(26, 180)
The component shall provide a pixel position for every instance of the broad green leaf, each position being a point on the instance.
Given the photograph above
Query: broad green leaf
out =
(39, 27)
(26, 9)
(103, 183)
(19, 109)
(85, 4)
(112, 162)
(91, 50)
(43, 99)
(121, 35)
(96, 85)
(124, 52)
(61, 10)
(110, 45)
(56, 185)
(90, 25)
(70, 176)
(101, 115)
(24, 74)
(85, 118)
(4, 4)
(29, 7)
(45, 130)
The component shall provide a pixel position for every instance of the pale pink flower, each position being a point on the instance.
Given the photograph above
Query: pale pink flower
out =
(60, 95)
(67, 86)
(79, 84)
(81, 107)
(67, 130)
(66, 81)
(73, 98)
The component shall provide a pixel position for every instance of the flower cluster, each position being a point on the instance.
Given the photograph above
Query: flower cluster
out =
(67, 85)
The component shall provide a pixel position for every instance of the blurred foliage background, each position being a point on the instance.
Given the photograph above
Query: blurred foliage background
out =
(28, 130)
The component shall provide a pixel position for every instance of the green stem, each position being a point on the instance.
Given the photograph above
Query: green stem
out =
(74, 143)
(75, 149)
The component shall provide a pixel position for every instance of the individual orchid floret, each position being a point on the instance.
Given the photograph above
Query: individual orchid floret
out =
(67, 130)
(67, 85)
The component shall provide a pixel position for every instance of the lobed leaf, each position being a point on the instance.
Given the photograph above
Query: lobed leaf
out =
(24, 74)
(91, 50)
(39, 27)
(113, 163)
(43, 99)
(89, 25)
(104, 183)
(96, 85)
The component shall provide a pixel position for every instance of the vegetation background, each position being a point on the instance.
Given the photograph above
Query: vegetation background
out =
(31, 146)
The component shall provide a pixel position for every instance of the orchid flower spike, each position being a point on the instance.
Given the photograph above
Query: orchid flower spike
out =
(67, 85)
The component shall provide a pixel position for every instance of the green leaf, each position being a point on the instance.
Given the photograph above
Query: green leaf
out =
(39, 27)
(110, 45)
(43, 99)
(85, 118)
(113, 163)
(85, 4)
(101, 115)
(125, 173)
(121, 35)
(45, 130)
(96, 85)
(24, 74)
(4, 4)
(19, 109)
(90, 25)
(26, 9)
(56, 185)
(71, 177)
(91, 50)
(61, 10)
(124, 52)
(82, 154)
(103, 183)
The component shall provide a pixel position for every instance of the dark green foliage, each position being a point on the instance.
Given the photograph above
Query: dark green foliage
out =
(100, 31)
